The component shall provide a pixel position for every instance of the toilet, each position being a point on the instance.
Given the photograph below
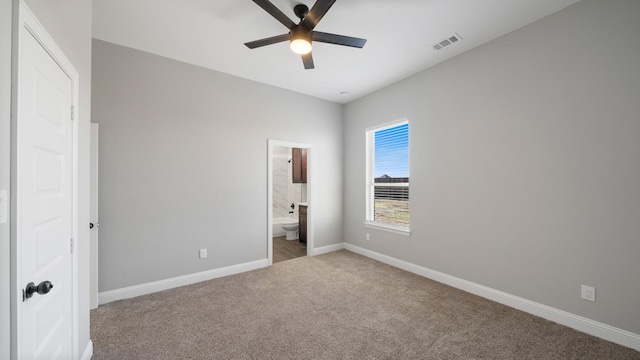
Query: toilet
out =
(292, 230)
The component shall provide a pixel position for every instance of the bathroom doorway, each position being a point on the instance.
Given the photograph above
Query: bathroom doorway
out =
(289, 201)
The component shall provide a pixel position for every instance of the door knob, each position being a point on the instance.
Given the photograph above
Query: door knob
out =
(42, 289)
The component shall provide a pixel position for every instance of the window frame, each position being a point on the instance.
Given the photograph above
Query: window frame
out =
(370, 179)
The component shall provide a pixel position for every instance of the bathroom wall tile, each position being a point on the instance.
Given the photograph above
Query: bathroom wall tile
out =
(280, 187)
(285, 192)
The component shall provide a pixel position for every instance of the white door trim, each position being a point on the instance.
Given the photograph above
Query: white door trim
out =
(94, 234)
(310, 182)
(28, 25)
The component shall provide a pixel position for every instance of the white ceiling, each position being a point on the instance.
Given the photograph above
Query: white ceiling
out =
(400, 34)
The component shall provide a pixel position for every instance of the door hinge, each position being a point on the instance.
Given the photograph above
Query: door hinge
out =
(71, 247)
(72, 113)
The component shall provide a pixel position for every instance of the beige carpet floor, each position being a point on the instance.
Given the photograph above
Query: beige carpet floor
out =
(334, 306)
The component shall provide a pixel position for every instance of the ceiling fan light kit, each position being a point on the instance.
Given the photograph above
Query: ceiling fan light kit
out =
(300, 40)
(300, 46)
(302, 34)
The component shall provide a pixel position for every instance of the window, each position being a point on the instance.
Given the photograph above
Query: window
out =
(388, 177)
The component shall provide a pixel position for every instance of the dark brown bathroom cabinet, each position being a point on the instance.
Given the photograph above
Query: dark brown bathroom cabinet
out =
(299, 167)
(302, 224)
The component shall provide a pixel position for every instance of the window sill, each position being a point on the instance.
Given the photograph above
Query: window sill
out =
(388, 228)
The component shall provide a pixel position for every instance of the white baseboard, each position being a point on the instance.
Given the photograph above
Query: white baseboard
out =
(591, 327)
(88, 351)
(327, 249)
(148, 288)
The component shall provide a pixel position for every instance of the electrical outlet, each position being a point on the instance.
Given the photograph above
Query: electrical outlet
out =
(203, 253)
(368, 236)
(589, 293)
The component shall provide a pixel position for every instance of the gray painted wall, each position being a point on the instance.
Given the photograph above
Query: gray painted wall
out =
(5, 176)
(69, 23)
(524, 163)
(183, 165)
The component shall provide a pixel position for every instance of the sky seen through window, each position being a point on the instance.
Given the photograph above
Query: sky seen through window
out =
(392, 152)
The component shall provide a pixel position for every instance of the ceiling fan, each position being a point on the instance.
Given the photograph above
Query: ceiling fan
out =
(302, 34)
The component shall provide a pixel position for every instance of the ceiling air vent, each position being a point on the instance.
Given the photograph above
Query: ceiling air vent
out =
(446, 42)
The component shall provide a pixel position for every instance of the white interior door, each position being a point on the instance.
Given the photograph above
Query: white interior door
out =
(94, 216)
(44, 209)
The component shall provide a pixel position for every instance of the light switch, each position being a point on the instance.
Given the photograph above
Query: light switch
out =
(4, 206)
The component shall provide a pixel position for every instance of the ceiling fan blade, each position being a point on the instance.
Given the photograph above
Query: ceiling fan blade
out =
(276, 13)
(307, 60)
(337, 39)
(267, 41)
(316, 13)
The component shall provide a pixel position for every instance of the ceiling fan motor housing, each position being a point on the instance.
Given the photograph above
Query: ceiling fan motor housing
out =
(300, 32)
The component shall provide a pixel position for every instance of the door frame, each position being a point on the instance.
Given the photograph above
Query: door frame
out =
(26, 24)
(310, 182)
(94, 234)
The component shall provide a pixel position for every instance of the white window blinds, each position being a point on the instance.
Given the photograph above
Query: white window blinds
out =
(388, 175)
